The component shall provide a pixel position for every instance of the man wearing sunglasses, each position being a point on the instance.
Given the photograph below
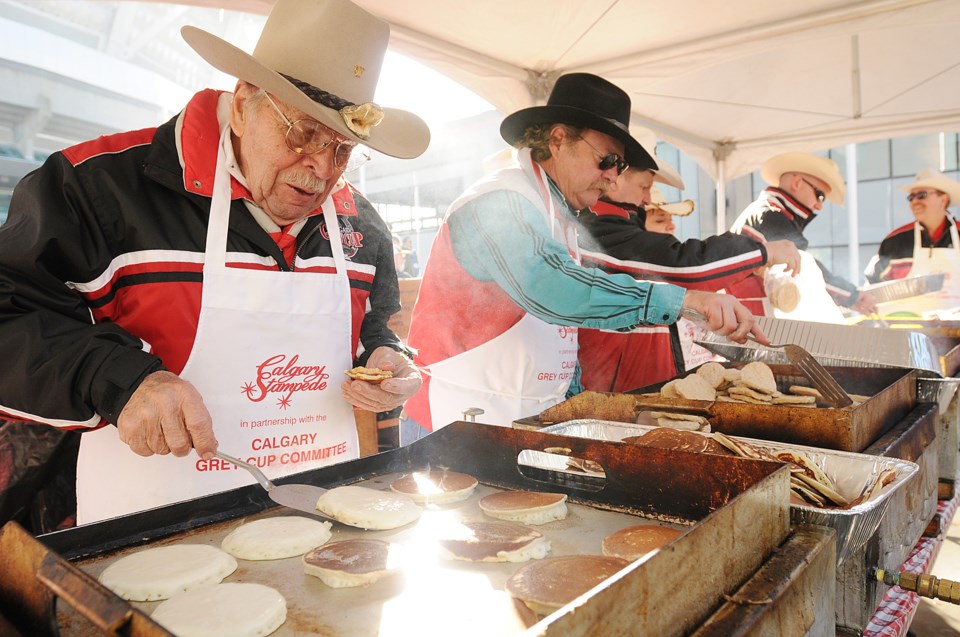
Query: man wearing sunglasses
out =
(798, 186)
(209, 281)
(503, 291)
(929, 245)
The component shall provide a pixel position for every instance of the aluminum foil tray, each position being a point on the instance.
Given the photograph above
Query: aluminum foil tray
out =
(852, 472)
(905, 288)
(834, 345)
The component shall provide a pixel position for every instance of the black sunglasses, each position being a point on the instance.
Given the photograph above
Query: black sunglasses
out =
(609, 160)
(923, 194)
(816, 191)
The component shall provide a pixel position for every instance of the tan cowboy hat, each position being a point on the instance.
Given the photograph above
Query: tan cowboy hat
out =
(322, 57)
(583, 100)
(932, 178)
(822, 168)
(659, 202)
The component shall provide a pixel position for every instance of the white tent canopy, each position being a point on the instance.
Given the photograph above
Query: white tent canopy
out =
(730, 83)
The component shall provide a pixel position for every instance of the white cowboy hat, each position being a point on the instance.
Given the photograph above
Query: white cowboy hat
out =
(322, 57)
(659, 202)
(667, 174)
(932, 178)
(822, 168)
(664, 173)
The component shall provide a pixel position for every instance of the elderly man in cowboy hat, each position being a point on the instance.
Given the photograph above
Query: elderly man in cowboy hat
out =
(209, 281)
(798, 186)
(928, 245)
(630, 231)
(503, 293)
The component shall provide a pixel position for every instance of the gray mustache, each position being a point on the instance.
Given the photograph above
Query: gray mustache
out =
(306, 181)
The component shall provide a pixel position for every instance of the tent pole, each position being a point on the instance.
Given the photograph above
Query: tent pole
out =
(853, 213)
(721, 195)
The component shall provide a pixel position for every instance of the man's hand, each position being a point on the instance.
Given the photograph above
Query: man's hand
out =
(865, 304)
(725, 315)
(785, 252)
(391, 392)
(165, 415)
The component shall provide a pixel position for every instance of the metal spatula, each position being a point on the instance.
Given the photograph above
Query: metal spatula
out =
(819, 377)
(817, 374)
(302, 497)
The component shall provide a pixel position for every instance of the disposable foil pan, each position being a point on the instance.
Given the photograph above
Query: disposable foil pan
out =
(905, 288)
(834, 345)
(852, 473)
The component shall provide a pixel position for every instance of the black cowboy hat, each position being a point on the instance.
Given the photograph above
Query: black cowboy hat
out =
(583, 100)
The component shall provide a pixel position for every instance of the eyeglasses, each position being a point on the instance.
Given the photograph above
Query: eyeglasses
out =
(923, 194)
(308, 137)
(821, 196)
(609, 160)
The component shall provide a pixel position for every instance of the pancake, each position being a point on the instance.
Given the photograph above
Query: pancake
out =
(368, 508)
(758, 375)
(633, 542)
(275, 538)
(435, 487)
(354, 562)
(373, 375)
(667, 438)
(712, 372)
(548, 584)
(165, 571)
(493, 542)
(223, 610)
(695, 387)
(528, 507)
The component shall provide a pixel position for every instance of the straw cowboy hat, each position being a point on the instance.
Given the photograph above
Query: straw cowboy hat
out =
(322, 57)
(659, 202)
(822, 168)
(585, 101)
(932, 178)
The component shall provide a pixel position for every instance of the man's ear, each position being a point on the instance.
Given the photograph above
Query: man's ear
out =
(241, 94)
(558, 135)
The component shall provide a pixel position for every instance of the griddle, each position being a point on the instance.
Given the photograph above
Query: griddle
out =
(736, 511)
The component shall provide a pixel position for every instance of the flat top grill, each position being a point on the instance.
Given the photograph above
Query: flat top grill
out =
(742, 502)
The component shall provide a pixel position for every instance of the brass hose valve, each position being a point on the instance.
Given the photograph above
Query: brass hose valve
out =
(924, 585)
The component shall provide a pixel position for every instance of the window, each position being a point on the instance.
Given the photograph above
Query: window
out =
(873, 160)
(910, 154)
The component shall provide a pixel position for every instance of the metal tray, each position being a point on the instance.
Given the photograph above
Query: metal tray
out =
(851, 471)
(892, 394)
(905, 288)
(834, 345)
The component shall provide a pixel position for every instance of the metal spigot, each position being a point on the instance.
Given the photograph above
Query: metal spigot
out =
(922, 584)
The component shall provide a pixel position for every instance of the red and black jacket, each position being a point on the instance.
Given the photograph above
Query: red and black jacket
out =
(774, 216)
(616, 241)
(101, 267)
(894, 258)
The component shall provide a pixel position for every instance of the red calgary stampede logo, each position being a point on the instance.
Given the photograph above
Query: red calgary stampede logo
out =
(280, 375)
(351, 239)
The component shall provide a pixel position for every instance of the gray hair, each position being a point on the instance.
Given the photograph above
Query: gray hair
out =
(536, 137)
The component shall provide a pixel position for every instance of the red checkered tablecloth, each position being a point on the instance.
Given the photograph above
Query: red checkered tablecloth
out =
(898, 606)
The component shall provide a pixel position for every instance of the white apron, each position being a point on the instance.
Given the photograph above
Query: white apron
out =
(521, 372)
(932, 261)
(815, 304)
(268, 357)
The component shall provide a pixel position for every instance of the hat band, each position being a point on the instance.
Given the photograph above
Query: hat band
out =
(319, 95)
